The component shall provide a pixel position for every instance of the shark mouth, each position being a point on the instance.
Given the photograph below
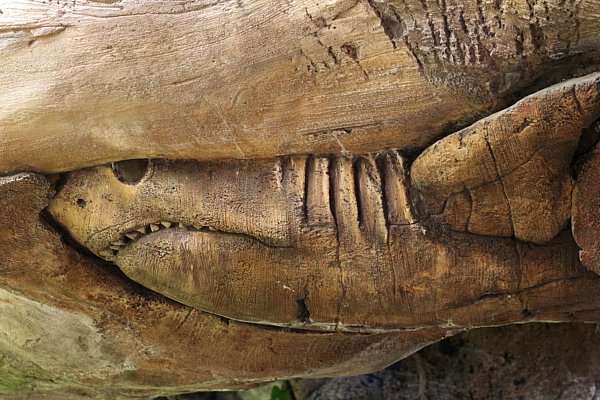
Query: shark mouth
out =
(111, 251)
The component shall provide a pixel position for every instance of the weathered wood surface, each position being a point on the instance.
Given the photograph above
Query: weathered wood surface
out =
(426, 283)
(586, 211)
(339, 243)
(70, 321)
(87, 82)
(337, 234)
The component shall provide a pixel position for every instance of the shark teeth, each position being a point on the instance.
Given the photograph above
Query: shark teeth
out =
(106, 253)
(133, 235)
(115, 246)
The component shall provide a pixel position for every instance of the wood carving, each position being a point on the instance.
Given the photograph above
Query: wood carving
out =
(207, 207)
(309, 242)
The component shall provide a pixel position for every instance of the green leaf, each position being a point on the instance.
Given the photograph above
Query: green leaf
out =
(280, 393)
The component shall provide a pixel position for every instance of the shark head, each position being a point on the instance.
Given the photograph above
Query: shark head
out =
(223, 236)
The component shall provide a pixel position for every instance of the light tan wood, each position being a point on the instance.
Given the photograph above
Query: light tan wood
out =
(509, 174)
(88, 82)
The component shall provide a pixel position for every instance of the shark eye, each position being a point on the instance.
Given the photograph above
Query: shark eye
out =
(132, 172)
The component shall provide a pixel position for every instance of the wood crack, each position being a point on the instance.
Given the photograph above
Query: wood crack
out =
(501, 180)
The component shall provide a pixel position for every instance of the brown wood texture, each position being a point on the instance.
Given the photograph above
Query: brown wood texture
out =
(88, 82)
(279, 203)
(70, 322)
(318, 243)
(586, 218)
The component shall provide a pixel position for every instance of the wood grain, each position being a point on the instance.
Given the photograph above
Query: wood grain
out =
(274, 222)
(84, 83)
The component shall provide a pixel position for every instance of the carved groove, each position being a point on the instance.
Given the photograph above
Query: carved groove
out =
(381, 163)
(357, 175)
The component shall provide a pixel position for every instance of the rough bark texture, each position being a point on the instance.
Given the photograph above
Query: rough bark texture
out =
(586, 218)
(287, 212)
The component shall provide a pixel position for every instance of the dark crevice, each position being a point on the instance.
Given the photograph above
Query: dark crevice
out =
(310, 160)
(357, 170)
(333, 56)
(350, 49)
(303, 313)
(380, 163)
(58, 181)
(527, 314)
(491, 295)
(392, 26)
(588, 140)
(333, 187)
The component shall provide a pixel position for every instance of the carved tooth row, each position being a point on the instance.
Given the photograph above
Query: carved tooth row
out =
(137, 233)
(117, 244)
(133, 235)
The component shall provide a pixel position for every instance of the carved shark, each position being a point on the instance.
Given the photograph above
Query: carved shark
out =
(355, 243)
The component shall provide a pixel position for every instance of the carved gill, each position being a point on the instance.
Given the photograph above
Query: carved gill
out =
(370, 199)
(359, 195)
(395, 189)
(345, 203)
(317, 202)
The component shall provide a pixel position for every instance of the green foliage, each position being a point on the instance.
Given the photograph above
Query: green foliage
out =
(280, 393)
